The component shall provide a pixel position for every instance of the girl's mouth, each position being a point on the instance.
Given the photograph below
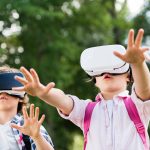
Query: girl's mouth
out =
(106, 76)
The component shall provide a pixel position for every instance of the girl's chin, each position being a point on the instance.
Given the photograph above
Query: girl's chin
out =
(111, 89)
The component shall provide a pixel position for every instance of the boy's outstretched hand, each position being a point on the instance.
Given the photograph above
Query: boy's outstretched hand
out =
(31, 125)
(32, 83)
(134, 53)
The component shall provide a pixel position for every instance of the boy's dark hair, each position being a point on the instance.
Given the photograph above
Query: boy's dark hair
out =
(25, 99)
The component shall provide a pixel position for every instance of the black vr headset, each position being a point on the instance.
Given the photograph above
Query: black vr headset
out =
(7, 82)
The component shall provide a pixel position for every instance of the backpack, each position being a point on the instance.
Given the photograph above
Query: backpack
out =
(132, 112)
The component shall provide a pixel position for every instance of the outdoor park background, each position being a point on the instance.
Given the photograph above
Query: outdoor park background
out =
(49, 35)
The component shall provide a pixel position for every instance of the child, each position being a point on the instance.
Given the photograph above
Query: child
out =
(111, 127)
(17, 133)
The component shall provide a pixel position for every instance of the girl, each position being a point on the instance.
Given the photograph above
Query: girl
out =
(111, 127)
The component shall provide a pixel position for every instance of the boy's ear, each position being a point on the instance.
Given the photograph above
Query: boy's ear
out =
(20, 100)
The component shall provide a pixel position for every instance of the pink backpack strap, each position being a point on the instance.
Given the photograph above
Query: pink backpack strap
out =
(134, 116)
(87, 120)
(132, 112)
(87, 117)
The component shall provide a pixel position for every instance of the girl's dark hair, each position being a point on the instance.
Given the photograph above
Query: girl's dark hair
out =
(130, 75)
(91, 79)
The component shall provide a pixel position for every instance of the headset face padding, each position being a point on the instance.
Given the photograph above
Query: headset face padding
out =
(101, 59)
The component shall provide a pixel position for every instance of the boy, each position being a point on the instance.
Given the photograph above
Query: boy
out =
(111, 127)
(33, 135)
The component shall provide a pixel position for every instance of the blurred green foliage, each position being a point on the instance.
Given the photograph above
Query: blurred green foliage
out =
(49, 35)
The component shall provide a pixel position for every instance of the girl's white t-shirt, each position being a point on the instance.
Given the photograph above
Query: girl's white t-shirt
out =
(7, 138)
(111, 128)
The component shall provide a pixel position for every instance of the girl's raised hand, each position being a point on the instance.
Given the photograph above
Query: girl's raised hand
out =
(135, 53)
(32, 83)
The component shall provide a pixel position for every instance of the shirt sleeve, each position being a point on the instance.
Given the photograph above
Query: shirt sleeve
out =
(142, 106)
(46, 135)
(77, 114)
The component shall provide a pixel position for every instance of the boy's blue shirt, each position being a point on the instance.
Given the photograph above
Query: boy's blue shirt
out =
(18, 119)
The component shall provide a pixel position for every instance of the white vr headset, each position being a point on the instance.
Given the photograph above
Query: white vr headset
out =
(101, 59)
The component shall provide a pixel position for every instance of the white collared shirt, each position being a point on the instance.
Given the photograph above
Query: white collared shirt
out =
(111, 128)
(7, 138)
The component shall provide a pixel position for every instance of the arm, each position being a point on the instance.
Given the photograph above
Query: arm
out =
(135, 56)
(49, 94)
(58, 99)
(141, 77)
(31, 128)
(41, 143)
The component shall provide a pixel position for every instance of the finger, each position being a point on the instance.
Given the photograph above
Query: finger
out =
(147, 57)
(49, 86)
(34, 75)
(25, 113)
(144, 49)
(26, 73)
(16, 126)
(139, 38)
(42, 119)
(131, 38)
(21, 80)
(119, 55)
(37, 113)
(18, 88)
(31, 110)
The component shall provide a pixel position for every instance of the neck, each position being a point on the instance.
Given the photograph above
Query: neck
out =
(7, 115)
(107, 95)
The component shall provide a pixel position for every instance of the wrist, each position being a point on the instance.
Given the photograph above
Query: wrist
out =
(40, 92)
(37, 137)
(138, 64)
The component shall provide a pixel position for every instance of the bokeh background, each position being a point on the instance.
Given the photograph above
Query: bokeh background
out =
(49, 35)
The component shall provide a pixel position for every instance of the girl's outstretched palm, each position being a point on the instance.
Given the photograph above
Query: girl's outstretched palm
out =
(31, 125)
(134, 53)
(32, 83)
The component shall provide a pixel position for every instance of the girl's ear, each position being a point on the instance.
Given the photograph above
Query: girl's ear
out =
(128, 79)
